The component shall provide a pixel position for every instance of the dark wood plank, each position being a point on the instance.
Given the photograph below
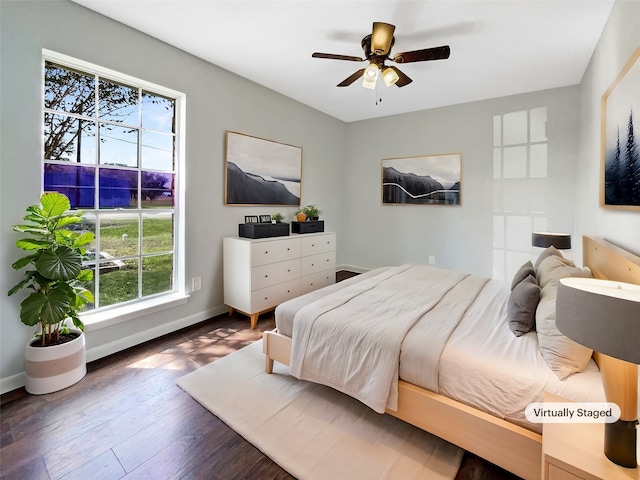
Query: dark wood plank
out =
(128, 419)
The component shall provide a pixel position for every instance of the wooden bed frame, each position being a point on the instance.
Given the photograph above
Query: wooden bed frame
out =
(510, 446)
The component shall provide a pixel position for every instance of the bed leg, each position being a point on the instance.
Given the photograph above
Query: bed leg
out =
(268, 366)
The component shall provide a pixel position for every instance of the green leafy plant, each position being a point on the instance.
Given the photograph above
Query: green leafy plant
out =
(277, 217)
(55, 276)
(311, 211)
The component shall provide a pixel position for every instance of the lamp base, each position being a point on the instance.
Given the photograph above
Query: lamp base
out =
(620, 442)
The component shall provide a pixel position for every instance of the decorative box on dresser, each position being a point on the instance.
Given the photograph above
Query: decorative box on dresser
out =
(574, 451)
(259, 274)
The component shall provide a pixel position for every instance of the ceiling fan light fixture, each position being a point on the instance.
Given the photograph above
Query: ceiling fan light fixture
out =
(390, 76)
(370, 76)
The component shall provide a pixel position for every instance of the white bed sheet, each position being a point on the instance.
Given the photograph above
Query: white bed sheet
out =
(483, 364)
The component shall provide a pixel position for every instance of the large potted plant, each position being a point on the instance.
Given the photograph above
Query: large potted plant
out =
(55, 357)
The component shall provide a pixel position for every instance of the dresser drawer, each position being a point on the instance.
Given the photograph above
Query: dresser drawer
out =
(274, 273)
(263, 253)
(318, 244)
(317, 263)
(270, 297)
(309, 283)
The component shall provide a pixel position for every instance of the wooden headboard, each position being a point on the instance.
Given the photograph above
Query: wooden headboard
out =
(610, 262)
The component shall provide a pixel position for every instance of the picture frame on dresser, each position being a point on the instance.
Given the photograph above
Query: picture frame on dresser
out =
(261, 172)
(620, 140)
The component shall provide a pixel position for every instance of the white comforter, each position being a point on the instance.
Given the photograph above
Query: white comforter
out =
(351, 340)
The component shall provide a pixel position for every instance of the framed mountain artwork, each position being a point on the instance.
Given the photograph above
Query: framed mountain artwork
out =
(620, 171)
(427, 180)
(261, 172)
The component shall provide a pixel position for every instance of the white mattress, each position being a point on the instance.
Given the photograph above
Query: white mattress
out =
(483, 364)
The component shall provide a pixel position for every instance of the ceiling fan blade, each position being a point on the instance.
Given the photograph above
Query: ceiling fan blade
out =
(381, 38)
(402, 78)
(332, 56)
(352, 78)
(436, 53)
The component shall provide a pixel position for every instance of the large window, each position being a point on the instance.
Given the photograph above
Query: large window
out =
(110, 145)
(520, 205)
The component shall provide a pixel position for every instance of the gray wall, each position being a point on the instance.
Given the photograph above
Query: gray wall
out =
(459, 237)
(620, 38)
(216, 101)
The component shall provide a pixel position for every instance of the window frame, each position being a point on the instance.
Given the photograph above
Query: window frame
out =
(113, 314)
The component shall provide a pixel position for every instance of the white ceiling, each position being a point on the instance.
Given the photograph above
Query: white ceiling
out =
(498, 48)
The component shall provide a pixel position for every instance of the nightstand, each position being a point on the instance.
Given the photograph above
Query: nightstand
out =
(574, 451)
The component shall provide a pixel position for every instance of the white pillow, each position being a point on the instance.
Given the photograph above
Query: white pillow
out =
(562, 355)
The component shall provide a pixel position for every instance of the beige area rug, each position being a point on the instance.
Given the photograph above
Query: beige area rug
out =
(313, 431)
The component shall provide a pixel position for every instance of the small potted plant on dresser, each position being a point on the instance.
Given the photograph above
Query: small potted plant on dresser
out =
(310, 222)
(55, 357)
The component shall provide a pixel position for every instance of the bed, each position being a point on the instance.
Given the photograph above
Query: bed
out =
(489, 367)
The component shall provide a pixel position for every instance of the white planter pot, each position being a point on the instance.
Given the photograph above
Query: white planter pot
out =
(50, 369)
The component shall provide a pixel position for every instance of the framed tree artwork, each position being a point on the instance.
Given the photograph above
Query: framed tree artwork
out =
(427, 180)
(261, 172)
(620, 146)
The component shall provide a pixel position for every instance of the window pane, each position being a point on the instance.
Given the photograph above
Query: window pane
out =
(91, 285)
(157, 232)
(118, 103)
(118, 145)
(69, 139)
(118, 283)
(515, 128)
(538, 167)
(157, 190)
(118, 188)
(538, 124)
(68, 90)
(157, 274)
(118, 236)
(515, 162)
(157, 151)
(76, 182)
(158, 112)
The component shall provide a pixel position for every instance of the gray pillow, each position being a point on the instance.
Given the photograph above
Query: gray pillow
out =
(548, 252)
(523, 272)
(522, 304)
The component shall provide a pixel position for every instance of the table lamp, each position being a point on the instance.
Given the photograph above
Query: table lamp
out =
(562, 241)
(604, 315)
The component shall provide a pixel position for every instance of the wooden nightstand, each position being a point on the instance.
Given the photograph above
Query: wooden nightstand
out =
(574, 451)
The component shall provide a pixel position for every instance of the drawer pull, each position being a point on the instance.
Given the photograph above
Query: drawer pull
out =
(266, 252)
(288, 249)
(266, 276)
(313, 244)
(288, 269)
(313, 264)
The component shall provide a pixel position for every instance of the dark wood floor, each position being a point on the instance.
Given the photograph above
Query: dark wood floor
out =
(128, 419)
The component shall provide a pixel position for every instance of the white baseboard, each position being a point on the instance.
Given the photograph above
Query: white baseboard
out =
(18, 380)
(128, 342)
(352, 268)
(13, 382)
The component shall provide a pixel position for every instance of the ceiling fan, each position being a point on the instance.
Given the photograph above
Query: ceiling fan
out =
(377, 49)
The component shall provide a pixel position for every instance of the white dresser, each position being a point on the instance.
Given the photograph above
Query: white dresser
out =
(262, 273)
